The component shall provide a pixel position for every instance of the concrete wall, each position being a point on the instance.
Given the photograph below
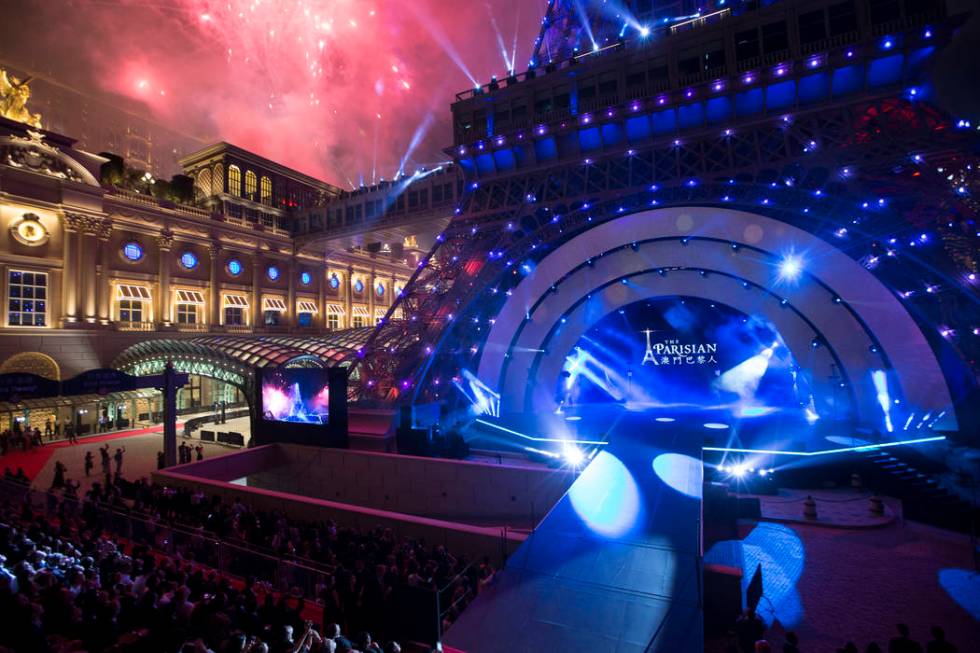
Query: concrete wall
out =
(454, 490)
(213, 476)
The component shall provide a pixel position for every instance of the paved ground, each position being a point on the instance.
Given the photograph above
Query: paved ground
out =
(849, 508)
(139, 460)
(832, 585)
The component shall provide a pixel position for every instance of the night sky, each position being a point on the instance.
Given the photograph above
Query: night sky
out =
(334, 88)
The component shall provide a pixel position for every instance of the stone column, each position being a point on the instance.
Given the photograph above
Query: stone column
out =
(69, 279)
(255, 309)
(104, 298)
(371, 297)
(290, 316)
(165, 241)
(214, 252)
(87, 270)
(349, 299)
(321, 301)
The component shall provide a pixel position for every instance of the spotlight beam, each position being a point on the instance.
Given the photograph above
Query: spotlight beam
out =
(536, 439)
(864, 447)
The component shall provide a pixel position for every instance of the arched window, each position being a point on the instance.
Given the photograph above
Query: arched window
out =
(235, 181)
(251, 184)
(266, 196)
(218, 180)
(203, 184)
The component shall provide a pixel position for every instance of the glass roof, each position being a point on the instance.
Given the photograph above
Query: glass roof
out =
(239, 353)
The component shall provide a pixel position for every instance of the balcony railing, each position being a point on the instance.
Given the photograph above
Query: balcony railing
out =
(192, 328)
(135, 326)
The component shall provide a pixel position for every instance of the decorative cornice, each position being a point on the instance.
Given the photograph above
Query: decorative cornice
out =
(86, 224)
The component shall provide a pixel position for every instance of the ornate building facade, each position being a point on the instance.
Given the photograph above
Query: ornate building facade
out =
(94, 260)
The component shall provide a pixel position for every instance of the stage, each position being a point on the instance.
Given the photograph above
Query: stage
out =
(615, 565)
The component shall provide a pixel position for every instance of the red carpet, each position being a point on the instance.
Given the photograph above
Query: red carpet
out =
(34, 460)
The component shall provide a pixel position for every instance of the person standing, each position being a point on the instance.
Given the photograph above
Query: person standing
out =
(48, 428)
(89, 463)
(119, 459)
(200, 451)
(59, 475)
(104, 453)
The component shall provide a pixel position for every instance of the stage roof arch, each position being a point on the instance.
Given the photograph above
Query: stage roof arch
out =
(234, 358)
(747, 246)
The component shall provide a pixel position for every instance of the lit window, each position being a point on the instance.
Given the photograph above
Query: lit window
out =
(217, 179)
(358, 321)
(188, 260)
(27, 298)
(251, 184)
(187, 314)
(203, 183)
(272, 272)
(234, 315)
(266, 195)
(234, 267)
(334, 281)
(380, 290)
(235, 181)
(132, 251)
(306, 278)
(130, 310)
(358, 286)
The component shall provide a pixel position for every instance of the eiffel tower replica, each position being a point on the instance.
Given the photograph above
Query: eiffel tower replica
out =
(827, 115)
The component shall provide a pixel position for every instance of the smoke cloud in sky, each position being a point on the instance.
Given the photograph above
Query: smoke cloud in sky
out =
(334, 88)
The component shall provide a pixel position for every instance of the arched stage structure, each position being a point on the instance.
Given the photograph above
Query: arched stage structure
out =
(729, 257)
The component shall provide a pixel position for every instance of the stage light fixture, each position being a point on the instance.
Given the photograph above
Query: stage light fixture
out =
(574, 456)
(790, 267)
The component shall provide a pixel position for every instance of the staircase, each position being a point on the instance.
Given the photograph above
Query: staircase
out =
(914, 478)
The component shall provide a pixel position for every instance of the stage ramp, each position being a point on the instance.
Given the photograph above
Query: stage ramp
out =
(614, 566)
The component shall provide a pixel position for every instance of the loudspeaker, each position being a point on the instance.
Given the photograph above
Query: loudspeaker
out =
(337, 405)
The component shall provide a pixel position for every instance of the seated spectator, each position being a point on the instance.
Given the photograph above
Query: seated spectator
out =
(939, 643)
(903, 643)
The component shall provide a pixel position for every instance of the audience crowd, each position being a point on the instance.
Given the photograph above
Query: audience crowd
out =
(80, 589)
(749, 636)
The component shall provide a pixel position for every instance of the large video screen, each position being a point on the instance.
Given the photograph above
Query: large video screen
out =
(295, 395)
(684, 352)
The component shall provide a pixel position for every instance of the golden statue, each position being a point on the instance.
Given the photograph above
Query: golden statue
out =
(14, 95)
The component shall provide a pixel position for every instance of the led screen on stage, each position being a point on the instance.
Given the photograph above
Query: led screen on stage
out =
(295, 395)
(677, 352)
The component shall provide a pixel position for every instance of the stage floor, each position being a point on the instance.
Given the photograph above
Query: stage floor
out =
(615, 565)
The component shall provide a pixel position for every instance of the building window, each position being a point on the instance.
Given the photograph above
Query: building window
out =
(358, 286)
(251, 185)
(358, 321)
(132, 251)
(235, 181)
(234, 315)
(266, 195)
(234, 267)
(234, 310)
(130, 310)
(131, 298)
(305, 278)
(380, 290)
(187, 314)
(217, 180)
(203, 183)
(273, 273)
(305, 310)
(334, 281)
(334, 314)
(28, 294)
(188, 260)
